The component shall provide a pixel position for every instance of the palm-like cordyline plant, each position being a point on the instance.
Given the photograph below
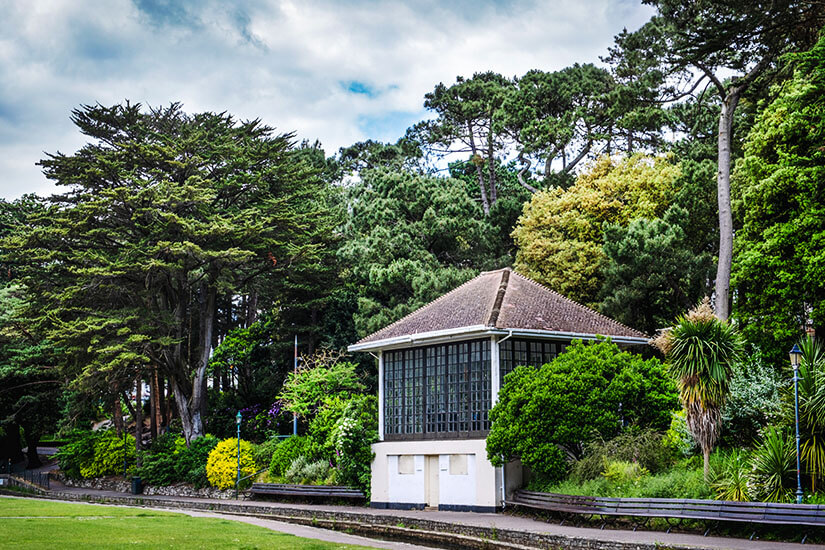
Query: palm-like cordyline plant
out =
(700, 351)
(812, 408)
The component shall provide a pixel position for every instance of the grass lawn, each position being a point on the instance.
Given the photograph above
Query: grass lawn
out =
(35, 524)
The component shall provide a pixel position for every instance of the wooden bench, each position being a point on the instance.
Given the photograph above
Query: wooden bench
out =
(683, 509)
(306, 491)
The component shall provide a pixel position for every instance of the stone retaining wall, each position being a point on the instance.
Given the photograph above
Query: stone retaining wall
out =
(119, 485)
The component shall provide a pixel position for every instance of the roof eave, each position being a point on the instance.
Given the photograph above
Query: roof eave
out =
(438, 336)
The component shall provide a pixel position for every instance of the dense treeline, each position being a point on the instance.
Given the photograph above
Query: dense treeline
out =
(185, 251)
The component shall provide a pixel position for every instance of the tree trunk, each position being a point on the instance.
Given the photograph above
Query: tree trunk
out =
(491, 165)
(154, 403)
(32, 439)
(485, 204)
(706, 455)
(117, 413)
(191, 407)
(10, 448)
(723, 269)
(138, 417)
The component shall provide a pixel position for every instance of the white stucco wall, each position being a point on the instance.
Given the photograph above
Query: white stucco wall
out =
(477, 488)
(458, 489)
(405, 488)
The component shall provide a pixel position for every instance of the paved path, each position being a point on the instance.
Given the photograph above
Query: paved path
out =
(496, 521)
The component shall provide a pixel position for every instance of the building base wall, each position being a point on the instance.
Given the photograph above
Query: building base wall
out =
(447, 474)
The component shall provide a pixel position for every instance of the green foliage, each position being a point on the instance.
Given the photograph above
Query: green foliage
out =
(811, 409)
(678, 436)
(779, 274)
(32, 386)
(304, 391)
(731, 479)
(354, 433)
(650, 272)
(468, 120)
(322, 426)
(222, 463)
(679, 482)
(192, 460)
(560, 234)
(754, 400)
(285, 454)
(621, 472)
(264, 452)
(643, 447)
(170, 461)
(409, 238)
(540, 415)
(557, 114)
(773, 466)
(159, 462)
(251, 353)
(304, 472)
(165, 215)
(95, 454)
(701, 351)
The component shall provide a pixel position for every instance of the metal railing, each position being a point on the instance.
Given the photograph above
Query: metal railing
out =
(41, 479)
(19, 472)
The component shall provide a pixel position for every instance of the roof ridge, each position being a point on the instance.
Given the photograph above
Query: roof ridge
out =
(502, 290)
(574, 302)
(443, 296)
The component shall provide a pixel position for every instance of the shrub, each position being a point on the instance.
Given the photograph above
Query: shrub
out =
(678, 438)
(678, 482)
(772, 467)
(305, 472)
(322, 377)
(96, 454)
(730, 479)
(264, 452)
(621, 471)
(222, 463)
(354, 435)
(285, 453)
(754, 400)
(643, 446)
(191, 461)
(159, 462)
(541, 416)
(321, 427)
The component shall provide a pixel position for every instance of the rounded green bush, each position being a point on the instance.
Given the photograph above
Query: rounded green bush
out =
(285, 454)
(222, 464)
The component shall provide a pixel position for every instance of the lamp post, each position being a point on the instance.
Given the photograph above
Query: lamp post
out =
(238, 478)
(796, 355)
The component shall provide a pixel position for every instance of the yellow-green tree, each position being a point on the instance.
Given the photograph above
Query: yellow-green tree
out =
(560, 234)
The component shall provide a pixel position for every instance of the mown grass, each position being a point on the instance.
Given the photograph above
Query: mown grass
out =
(40, 524)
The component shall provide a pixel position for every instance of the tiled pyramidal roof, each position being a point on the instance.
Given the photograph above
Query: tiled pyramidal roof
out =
(503, 299)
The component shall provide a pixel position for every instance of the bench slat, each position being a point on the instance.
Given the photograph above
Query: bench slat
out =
(748, 512)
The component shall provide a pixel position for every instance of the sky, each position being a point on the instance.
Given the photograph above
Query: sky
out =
(339, 72)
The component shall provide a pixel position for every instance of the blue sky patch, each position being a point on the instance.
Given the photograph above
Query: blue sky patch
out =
(360, 88)
(385, 126)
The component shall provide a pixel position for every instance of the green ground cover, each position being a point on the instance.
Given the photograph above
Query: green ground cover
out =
(38, 524)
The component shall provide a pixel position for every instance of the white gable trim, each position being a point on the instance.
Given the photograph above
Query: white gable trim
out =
(479, 331)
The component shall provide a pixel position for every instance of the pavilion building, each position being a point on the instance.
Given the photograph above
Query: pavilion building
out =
(440, 369)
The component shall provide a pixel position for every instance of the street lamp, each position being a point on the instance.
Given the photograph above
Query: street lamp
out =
(796, 355)
(238, 478)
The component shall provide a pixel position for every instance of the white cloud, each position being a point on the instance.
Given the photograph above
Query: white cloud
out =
(288, 63)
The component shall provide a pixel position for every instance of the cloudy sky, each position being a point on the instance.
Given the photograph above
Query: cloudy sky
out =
(339, 72)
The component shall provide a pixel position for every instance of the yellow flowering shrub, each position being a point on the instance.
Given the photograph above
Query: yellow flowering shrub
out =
(222, 463)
